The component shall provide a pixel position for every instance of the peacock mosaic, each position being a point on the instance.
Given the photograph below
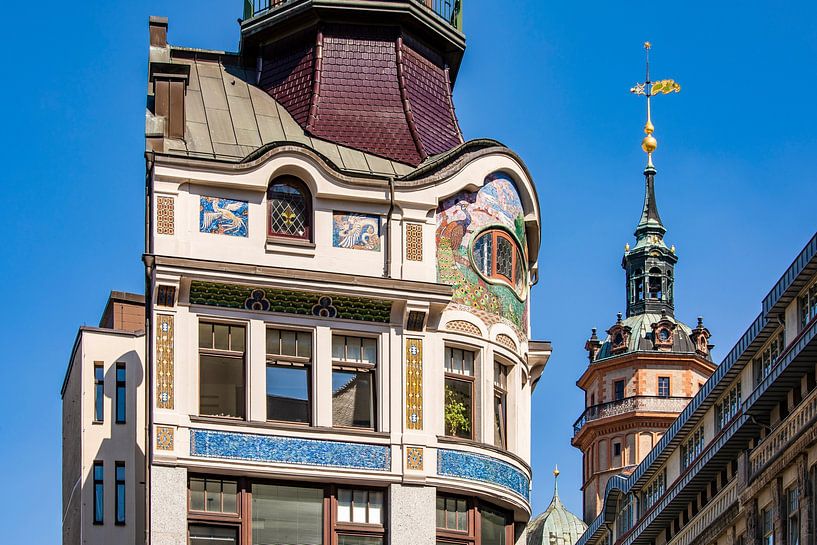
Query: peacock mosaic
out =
(356, 231)
(223, 216)
(459, 219)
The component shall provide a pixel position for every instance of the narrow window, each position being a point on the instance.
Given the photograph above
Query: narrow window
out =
(221, 369)
(500, 405)
(663, 386)
(618, 388)
(638, 286)
(616, 449)
(354, 360)
(459, 392)
(289, 370)
(120, 493)
(99, 392)
(655, 284)
(99, 493)
(767, 526)
(289, 209)
(121, 393)
(793, 518)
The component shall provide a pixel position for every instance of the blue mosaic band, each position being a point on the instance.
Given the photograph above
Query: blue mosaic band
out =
(476, 467)
(287, 450)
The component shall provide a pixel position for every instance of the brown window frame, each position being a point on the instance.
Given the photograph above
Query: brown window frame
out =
(473, 536)
(501, 395)
(358, 367)
(226, 354)
(471, 381)
(282, 360)
(332, 529)
(309, 217)
(516, 255)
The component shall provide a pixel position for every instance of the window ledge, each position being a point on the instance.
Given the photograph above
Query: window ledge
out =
(285, 245)
(289, 427)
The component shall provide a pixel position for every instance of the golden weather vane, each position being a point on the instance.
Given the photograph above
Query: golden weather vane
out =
(650, 89)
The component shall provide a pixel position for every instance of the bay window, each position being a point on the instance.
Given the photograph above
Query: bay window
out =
(354, 360)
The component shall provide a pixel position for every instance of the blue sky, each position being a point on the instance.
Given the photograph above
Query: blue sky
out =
(736, 183)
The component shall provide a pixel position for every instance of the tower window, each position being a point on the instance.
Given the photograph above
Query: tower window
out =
(638, 286)
(289, 209)
(496, 256)
(618, 390)
(663, 386)
(656, 292)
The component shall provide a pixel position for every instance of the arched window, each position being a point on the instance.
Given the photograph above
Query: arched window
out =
(289, 209)
(656, 291)
(497, 256)
(638, 286)
(669, 286)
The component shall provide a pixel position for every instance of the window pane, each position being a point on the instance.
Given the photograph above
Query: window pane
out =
(120, 404)
(338, 347)
(353, 349)
(500, 420)
(288, 393)
(352, 399)
(221, 386)
(213, 535)
(504, 257)
(98, 472)
(120, 503)
(99, 406)
(359, 540)
(375, 507)
(344, 505)
(230, 496)
(99, 373)
(440, 512)
(99, 502)
(305, 344)
(273, 341)
(493, 528)
(237, 338)
(462, 516)
(483, 254)
(205, 335)
(359, 505)
(288, 343)
(287, 211)
(197, 494)
(287, 514)
(458, 396)
(213, 492)
(120, 473)
(120, 373)
(221, 336)
(370, 351)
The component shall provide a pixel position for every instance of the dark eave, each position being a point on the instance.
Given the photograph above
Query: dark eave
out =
(793, 280)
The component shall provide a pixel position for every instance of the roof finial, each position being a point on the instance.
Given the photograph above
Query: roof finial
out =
(650, 89)
(556, 482)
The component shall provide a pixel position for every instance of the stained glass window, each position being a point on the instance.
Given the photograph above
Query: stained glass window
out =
(289, 208)
(497, 256)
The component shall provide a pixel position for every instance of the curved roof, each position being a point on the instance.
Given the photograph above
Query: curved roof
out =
(556, 526)
(641, 337)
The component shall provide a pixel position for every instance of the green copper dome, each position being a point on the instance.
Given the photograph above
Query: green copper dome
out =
(557, 525)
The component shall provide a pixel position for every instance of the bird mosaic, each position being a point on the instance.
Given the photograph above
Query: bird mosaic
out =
(356, 231)
(223, 216)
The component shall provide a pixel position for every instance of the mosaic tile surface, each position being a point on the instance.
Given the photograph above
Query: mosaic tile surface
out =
(414, 458)
(287, 450)
(476, 467)
(414, 242)
(164, 438)
(165, 215)
(164, 361)
(356, 231)
(414, 384)
(239, 296)
(223, 216)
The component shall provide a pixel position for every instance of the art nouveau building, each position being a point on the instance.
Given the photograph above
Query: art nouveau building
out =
(338, 339)
(739, 465)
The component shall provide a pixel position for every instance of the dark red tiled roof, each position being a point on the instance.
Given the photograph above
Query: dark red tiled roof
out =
(372, 89)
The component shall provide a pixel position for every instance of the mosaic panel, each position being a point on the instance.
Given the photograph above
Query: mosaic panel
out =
(289, 301)
(288, 450)
(164, 361)
(223, 216)
(506, 341)
(414, 458)
(459, 219)
(476, 467)
(463, 327)
(165, 215)
(414, 384)
(356, 231)
(414, 242)
(164, 438)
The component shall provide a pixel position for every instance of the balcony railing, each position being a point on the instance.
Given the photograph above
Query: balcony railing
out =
(630, 404)
(448, 10)
(708, 515)
(780, 437)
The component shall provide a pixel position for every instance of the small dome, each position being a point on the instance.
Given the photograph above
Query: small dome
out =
(556, 526)
(638, 335)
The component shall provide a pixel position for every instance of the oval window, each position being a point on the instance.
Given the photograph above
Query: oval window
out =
(497, 257)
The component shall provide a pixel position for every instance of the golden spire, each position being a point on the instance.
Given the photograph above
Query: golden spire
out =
(650, 89)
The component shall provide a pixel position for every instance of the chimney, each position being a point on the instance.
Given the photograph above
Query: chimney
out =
(158, 31)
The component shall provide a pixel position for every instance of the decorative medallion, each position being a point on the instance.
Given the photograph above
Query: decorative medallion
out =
(507, 341)
(355, 231)
(223, 216)
(463, 327)
(165, 215)
(414, 384)
(414, 458)
(289, 302)
(164, 438)
(414, 242)
(289, 450)
(477, 467)
(164, 361)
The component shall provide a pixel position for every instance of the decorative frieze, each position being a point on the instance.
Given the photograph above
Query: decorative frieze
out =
(463, 327)
(414, 458)
(477, 467)
(164, 438)
(289, 301)
(288, 450)
(414, 384)
(414, 242)
(165, 215)
(507, 341)
(164, 361)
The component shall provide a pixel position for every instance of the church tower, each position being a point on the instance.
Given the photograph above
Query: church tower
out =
(643, 374)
